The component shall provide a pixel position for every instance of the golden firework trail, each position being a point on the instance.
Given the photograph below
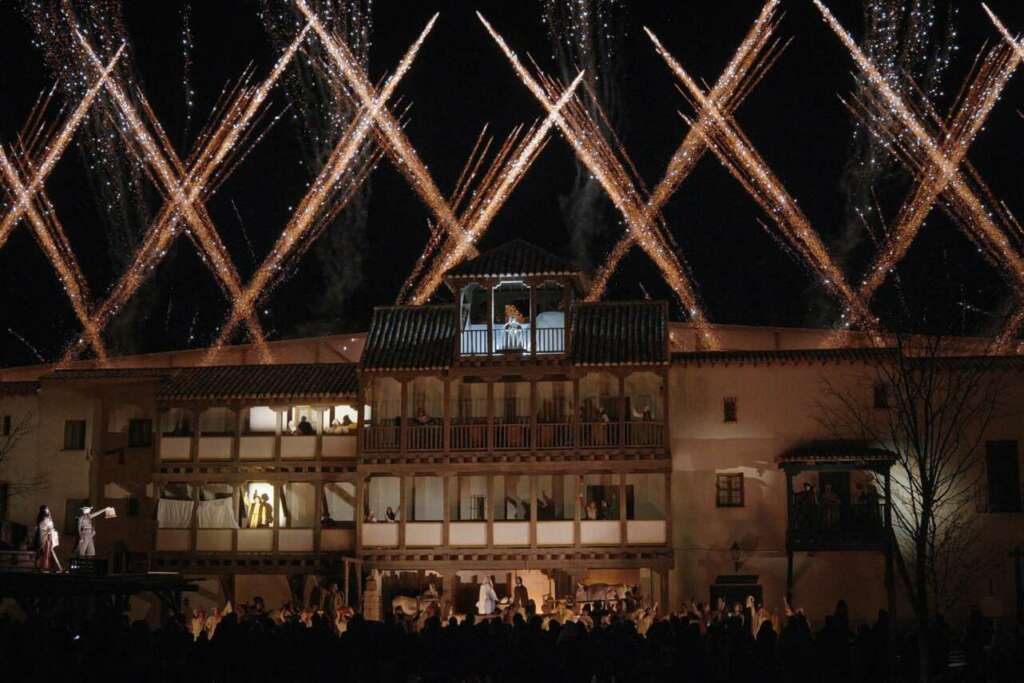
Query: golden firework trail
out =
(915, 143)
(309, 212)
(747, 66)
(214, 150)
(738, 155)
(590, 146)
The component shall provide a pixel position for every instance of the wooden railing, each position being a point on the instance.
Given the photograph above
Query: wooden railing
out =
(473, 436)
(426, 437)
(381, 438)
(820, 524)
(473, 342)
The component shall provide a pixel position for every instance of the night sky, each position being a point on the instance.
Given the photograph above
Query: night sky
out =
(458, 83)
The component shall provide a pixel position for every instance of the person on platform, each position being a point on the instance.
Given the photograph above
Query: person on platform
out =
(488, 599)
(306, 427)
(46, 553)
(520, 596)
(87, 532)
(390, 515)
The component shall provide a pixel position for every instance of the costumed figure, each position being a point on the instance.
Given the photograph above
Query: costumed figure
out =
(488, 598)
(87, 532)
(46, 554)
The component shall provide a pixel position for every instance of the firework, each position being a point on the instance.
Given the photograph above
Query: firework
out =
(936, 167)
(747, 66)
(737, 154)
(309, 212)
(185, 189)
(605, 164)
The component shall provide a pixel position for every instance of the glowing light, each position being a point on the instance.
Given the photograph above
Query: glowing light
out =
(746, 67)
(604, 164)
(185, 189)
(937, 167)
(309, 212)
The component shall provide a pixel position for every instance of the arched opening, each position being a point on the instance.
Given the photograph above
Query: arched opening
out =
(511, 317)
(551, 303)
(473, 320)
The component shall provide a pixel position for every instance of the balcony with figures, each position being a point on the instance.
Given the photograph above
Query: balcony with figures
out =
(453, 515)
(245, 518)
(255, 434)
(838, 498)
(577, 412)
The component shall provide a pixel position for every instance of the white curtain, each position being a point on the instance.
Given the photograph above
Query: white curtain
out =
(174, 514)
(217, 514)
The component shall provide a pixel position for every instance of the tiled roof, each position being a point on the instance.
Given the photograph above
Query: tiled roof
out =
(410, 338)
(299, 381)
(619, 333)
(18, 388)
(517, 257)
(110, 373)
(780, 357)
(836, 452)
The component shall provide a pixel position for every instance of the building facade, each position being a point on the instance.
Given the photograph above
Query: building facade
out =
(516, 433)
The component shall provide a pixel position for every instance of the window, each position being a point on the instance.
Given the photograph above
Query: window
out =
(1003, 476)
(74, 435)
(7, 425)
(881, 395)
(256, 510)
(600, 497)
(729, 409)
(512, 497)
(140, 433)
(4, 496)
(730, 491)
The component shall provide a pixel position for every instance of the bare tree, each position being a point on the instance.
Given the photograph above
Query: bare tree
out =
(932, 407)
(8, 447)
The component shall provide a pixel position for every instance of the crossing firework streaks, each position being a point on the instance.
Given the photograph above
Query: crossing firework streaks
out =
(621, 186)
(747, 66)
(337, 175)
(30, 201)
(737, 154)
(215, 149)
(915, 144)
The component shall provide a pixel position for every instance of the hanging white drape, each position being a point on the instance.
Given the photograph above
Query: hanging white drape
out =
(174, 514)
(217, 514)
(300, 504)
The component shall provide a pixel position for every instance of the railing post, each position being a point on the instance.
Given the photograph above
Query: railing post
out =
(533, 322)
(446, 420)
(490, 319)
(622, 412)
(403, 422)
(533, 438)
(490, 417)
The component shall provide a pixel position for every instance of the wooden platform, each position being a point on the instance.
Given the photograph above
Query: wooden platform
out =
(21, 584)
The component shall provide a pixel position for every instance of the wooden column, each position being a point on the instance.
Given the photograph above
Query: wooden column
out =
(665, 411)
(534, 437)
(360, 421)
(318, 446)
(278, 432)
(318, 514)
(669, 513)
(446, 513)
(533, 321)
(194, 441)
(575, 419)
(489, 511)
(274, 525)
(622, 412)
(577, 511)
(622, 510)
(533, 510)
(360, 512)
(490, 318)
(490, 416)
(446, 437)
(403, 420)
(567, 314)
(403, 513)
(236, 442)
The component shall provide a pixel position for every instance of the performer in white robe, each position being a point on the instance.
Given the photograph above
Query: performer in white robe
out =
(488, 598)
(87, 532)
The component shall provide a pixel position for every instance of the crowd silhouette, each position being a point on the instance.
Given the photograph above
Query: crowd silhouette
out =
(691, 645)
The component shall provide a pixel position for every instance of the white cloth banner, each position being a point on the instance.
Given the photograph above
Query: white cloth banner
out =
(174, 514)
(217, 514)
